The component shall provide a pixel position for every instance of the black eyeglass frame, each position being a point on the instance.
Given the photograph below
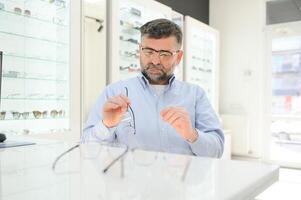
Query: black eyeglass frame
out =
(131, 110)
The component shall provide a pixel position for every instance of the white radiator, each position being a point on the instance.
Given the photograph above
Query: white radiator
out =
(240, 136)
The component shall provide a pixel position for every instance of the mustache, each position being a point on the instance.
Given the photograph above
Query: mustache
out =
(150, 66)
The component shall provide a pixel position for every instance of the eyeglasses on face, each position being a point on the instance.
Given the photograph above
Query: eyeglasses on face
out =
(163, 54)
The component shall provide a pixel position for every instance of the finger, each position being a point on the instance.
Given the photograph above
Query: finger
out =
(176, 117)
(117, 100)
(172, 111)
(126, 99)
(112, 105)
(169, 114)
(124, 105)
(165, 111)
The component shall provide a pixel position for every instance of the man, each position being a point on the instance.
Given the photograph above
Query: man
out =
(154, 111)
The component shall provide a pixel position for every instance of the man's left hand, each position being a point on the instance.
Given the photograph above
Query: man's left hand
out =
(179, 118)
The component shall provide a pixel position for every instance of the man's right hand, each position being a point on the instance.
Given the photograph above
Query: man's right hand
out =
(114, 109)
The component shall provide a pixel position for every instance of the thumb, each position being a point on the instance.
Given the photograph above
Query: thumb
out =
(123, 109)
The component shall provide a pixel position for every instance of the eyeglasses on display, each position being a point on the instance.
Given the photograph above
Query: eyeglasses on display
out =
(38, 114)
(60, 3)
(128, 25)
(2, 6)
(130, 68)
(13, 95)
(11, 74)
(18, 11)
(58, 21)
(201, 69)
(131, 40)
(133, 54)
(17, 115)
(53, 113)
(2, 115)
(135, 11)
(49, 1)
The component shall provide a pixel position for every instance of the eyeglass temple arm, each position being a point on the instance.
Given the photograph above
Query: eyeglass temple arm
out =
(115, 160)
(129, 107)
(64, 153)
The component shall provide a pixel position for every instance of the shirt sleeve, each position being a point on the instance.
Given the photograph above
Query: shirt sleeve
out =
(94, 129)
(210, 141)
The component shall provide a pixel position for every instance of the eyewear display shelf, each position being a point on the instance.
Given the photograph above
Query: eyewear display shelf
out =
(202, 57)
(34, 38)
(126, 17)
(131, 18)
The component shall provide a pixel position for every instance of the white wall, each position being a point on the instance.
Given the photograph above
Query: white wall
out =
(94, 44)
(241, 25)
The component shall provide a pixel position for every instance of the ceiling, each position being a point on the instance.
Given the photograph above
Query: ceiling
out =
(282, 11)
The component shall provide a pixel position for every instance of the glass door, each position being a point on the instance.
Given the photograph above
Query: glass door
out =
(34, 39)
(284, 120)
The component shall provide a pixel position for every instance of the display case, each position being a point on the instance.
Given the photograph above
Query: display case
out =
(178, 18)
(201, 58)
(35, 41)
(126, 17)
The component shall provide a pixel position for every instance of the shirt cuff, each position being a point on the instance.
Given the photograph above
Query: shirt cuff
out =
(198, 142)
(102, 132)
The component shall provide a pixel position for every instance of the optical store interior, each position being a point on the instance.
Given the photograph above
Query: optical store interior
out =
(98, 100)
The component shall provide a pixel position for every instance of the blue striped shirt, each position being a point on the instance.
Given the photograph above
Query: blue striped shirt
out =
(144, 128)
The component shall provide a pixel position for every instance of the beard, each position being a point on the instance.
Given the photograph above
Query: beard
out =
(160, 75)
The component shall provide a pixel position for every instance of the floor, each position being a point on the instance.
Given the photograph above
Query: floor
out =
(287, 188)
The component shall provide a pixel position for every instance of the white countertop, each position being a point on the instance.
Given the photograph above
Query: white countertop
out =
(26, 174)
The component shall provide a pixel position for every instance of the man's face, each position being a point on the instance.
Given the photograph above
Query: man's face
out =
(158, 58)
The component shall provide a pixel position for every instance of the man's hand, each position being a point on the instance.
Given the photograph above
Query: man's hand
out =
(179, 118)
(114, 109)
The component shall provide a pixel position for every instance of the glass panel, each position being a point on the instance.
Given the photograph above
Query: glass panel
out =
(286, 140)
(286, 69)
(286, 99)
(34, 38)
(179, 20)
(202, 59)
